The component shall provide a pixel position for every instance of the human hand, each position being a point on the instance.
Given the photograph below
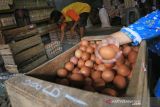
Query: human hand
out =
(108, 42)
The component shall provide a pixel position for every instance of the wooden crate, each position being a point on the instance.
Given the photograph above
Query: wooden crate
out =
(8, 59)
(19, 33)
(26, 46)
(34, 90)
(29, 53)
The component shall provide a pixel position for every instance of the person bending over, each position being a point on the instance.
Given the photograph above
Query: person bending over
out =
(76, 12)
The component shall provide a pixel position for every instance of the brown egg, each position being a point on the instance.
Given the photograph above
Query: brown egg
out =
(120, 82)
(99, 84)
(120, 61)
(110, 91)
(74, 60)
(135, 48)
(89, 49)
(88, 81)
(101, 67)
(84, 43)
(98, 61)
(127, 63)
(107, 53)
(93, 57)
(132, 56)
(85, 71)
(77, 77)
(116, 49)
(81, 63)
(109, 66)
(123, 70)
(77, 80)
(93, 46)
(76, 70)
(83, 48)
(108, 75)
(78, 53)
(96, 75)
(95, 66)
(62, 81)
(89, 64)
(126, 50)
(69, 66)
(85, 56)
(62, 72)
(98, 42)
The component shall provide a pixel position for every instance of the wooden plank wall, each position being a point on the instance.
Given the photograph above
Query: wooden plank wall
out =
(26, 46)
(8, 59)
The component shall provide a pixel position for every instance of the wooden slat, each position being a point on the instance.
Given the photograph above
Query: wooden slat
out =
(32, 59)
(146, 95)
(34, 64)
(51, 66)
(136, 85)
(24, 44)
(21, 36)
(17, 31)
(8, 60)
(5, 52)
(27, 54)
(26, 91)
(94, 37)
(4, 47)
(12, 68)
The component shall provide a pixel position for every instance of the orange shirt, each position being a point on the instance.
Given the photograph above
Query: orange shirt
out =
(72, 11)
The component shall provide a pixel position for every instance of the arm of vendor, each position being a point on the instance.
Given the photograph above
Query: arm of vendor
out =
(145, 28)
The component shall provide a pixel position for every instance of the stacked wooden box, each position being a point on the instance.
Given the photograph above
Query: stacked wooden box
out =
(40, 14)
(7, 21)
(7, 18)
(8, 59)
(29, 3)
(27, 47)
(4, 4)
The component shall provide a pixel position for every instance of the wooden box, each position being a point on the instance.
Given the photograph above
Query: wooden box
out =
(26, 47)
(36, 89)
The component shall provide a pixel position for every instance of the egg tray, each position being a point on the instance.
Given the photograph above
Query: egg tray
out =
(53, 49)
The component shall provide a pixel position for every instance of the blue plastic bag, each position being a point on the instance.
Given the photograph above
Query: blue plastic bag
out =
(145, 28)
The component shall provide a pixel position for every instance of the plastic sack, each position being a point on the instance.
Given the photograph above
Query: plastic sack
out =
(104, 18)
(157, 89)
(106, 42)
(145, 28)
